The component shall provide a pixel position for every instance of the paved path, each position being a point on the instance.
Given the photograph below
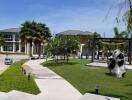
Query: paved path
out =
(52, 86)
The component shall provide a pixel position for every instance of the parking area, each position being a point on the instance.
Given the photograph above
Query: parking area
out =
(3, 67)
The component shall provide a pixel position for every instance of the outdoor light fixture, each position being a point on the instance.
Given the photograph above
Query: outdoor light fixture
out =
(97, 89)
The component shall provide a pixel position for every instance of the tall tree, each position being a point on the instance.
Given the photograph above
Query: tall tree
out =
(124, 34)
(127, 17)
(119, 34)
(42, 36)
(28, 33)
(32, 31)
(63, 45)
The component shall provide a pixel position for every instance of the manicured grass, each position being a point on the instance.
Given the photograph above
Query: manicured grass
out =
(85, 78)
(14, 79)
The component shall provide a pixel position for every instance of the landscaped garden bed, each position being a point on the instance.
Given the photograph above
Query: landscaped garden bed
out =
(86, 78)
(14, 79)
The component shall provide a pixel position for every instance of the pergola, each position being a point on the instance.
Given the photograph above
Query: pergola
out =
(115, 40)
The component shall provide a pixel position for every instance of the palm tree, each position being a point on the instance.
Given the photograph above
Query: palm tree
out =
(42, 36)
(123, 34)
(117, 33)
(28, 33)
(34, 32)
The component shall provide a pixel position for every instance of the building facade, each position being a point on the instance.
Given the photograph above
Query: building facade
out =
(83, 39)
(13, 43)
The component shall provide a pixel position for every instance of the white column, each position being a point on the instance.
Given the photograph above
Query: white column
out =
(14, 47)
(81, 48)
(14, 37)
(1, 48)
(32, 47)
(28, 48)
(19, 46)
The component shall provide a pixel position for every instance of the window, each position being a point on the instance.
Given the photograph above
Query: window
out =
(8, 37)
(17, 37)
(17, 47)
(8, 47)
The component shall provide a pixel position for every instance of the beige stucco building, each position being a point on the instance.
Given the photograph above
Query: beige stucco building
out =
(13, 43)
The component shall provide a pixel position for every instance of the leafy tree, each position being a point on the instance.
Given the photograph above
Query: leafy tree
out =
(32, 31)
(42, 36)
(92, 43)
(62, 45)
(28, 33)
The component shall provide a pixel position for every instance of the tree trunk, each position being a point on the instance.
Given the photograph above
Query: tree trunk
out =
(30, 52)
(39, 52)
(67, 58)
(103, 55)
(64, 57)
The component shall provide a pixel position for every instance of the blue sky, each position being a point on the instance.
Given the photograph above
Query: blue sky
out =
(61, 15)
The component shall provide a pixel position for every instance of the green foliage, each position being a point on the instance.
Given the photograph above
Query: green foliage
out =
(116, 31)
(96, 35)
(127, 17)
(118, 34)
(32, 31)
(91, 40)
(62, 45)
(84, 78)
(14, 79)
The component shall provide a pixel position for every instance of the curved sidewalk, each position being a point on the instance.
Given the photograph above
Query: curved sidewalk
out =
(51, 85)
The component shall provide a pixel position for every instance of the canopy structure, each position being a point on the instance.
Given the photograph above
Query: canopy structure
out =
(113, 41)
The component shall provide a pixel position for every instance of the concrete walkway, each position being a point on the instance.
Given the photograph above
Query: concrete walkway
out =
(52, 86)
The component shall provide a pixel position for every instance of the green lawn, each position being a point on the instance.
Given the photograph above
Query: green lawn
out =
(85, 78)
(14, 79)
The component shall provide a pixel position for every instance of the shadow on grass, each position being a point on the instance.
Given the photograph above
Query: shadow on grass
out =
(59, 63)
(108, 74)
(128, 85)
